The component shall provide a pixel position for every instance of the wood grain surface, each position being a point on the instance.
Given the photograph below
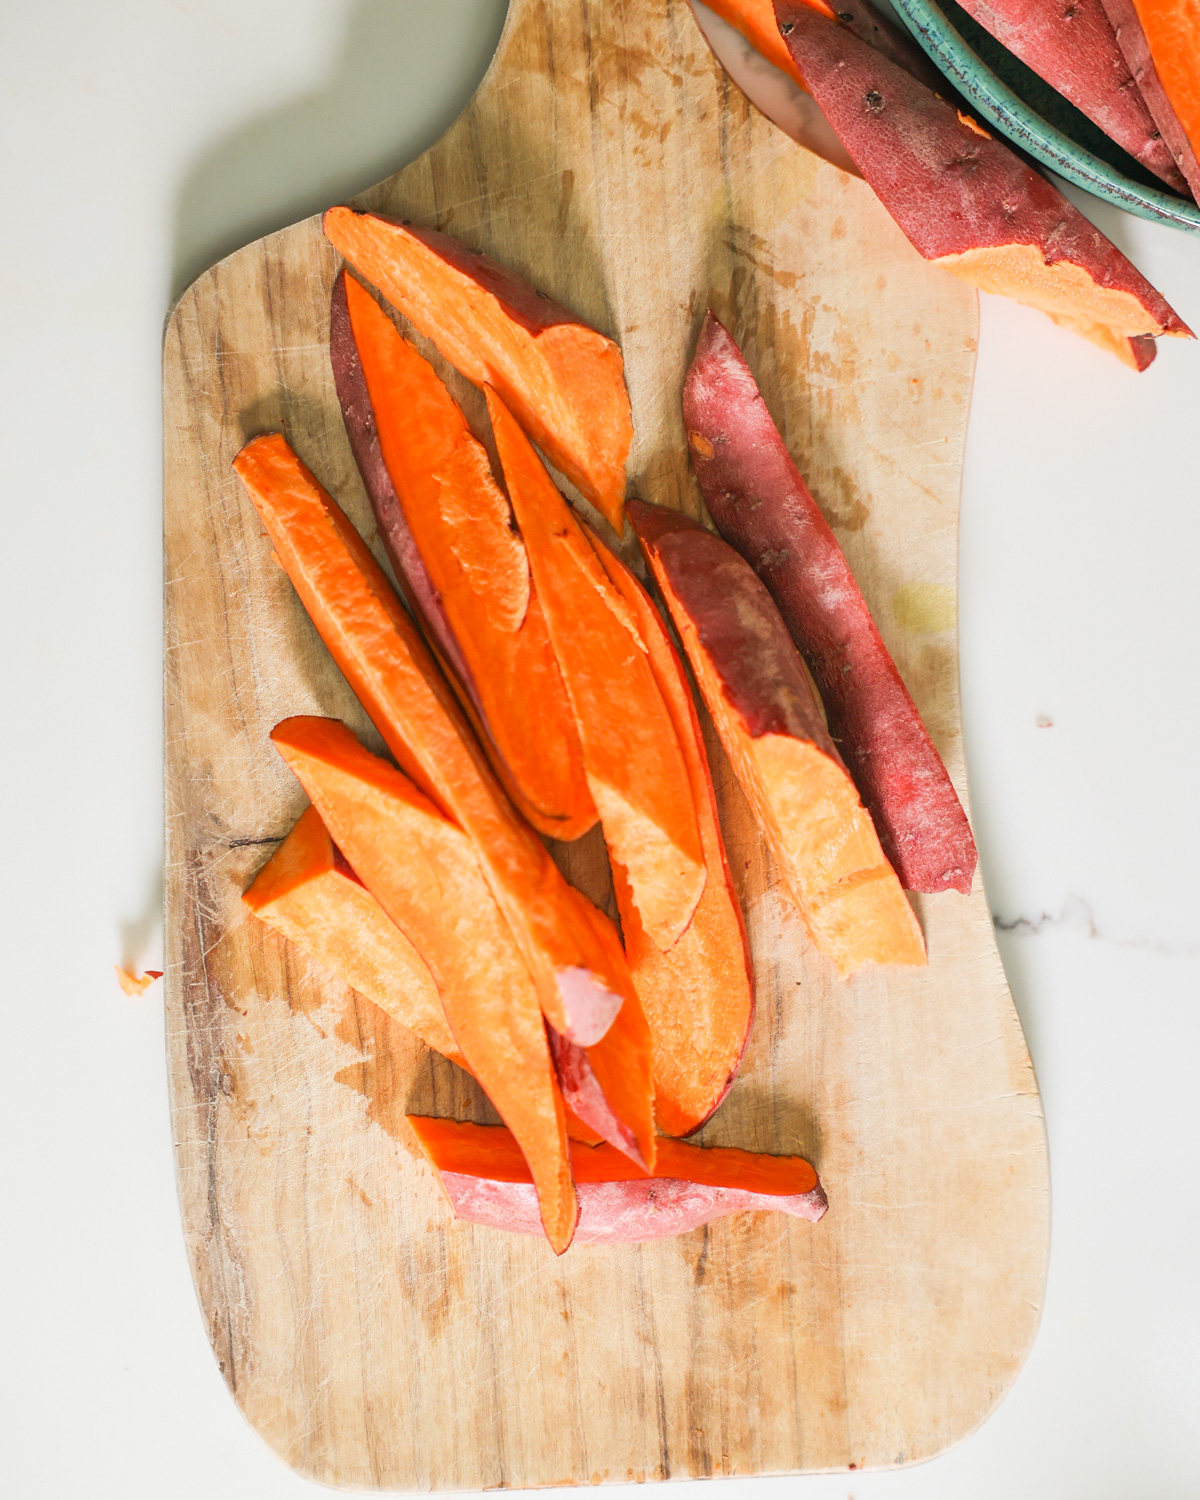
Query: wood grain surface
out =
(371, 1340)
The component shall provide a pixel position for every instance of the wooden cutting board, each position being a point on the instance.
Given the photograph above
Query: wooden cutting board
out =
(371, 1340)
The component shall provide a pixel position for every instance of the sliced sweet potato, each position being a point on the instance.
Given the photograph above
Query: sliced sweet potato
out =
(376, 645)
(698, 996)
(450, 536)
(631, 754)
(1074, 48)
(425, 874)
(755, 19)
(487, 1182)
(761, 701)
(315, 900)
(564, 381)
(963, 198)
(761, 505)
(1160, 41)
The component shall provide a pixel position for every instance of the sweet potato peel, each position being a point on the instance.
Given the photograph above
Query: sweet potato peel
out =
(761, 701)
(564, 381)
(135, 984)
(762, 506)
(631, 755)
(425, 874)
(375, 644)
(485, 1179)
(1160, 41)
(449, 533)
(315, 900)
(698, 996)
(963, 200)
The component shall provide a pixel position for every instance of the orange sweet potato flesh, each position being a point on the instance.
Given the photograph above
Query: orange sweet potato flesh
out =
(631, 752)
(375, 644)
(458, 520)
(314, 900)
(1160, 41)
(425, 874)
(762, 703)
(965, 200)
(699, 995)
(484, 1177)
(564, 381)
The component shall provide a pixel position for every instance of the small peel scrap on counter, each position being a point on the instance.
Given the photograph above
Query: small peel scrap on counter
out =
(487, 1182)
(698, 995)
(425, 874)
(564, 381)
(968, 203)
(135, 984)
(370, 636)
(762, 506)
(449, 533)
(308, 892)
(631, 754)
(758, 692)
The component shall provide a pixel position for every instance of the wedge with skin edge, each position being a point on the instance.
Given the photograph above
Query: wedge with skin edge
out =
(763, 508)
(485, 1179)
(1160, 41)
(364, 625)
(631, 754)
(448, 531)
(308, 892)
(1074, 48)
(698, 996)
(314, 899)
(425, 874)
(761, 701)
(564, 381)
(963, 199)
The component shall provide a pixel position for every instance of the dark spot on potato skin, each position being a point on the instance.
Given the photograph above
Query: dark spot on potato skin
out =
(874, 101)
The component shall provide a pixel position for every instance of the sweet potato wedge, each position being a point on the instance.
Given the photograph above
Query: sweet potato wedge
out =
(425, 874)
(564, 381)
(1160, 42)
(965, 201)
(376, 645)
(486, 1180)
(1074, 48)
(755, 19)
(449, 533)
(698, 996)
(308, 892)
(761, 701)
(761, 505)
(631, 754)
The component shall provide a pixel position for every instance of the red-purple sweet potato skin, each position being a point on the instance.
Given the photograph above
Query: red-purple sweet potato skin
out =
(619, 1213)
(949, 188)
(1135, 49)
(582, 1093)
(399, 543)
(762, 506)
(1074, 48)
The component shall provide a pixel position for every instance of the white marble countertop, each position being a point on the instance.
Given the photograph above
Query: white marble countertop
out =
(142, 140)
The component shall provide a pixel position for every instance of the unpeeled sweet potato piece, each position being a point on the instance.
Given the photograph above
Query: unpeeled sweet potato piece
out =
(1160, 41)
(758, 693)
(564, 381)
(631, 754)
(313, 897)
(762, 506)
(425, 874)
(965, 201)
(1074, 48)
(450, 536)
(376, 645)
(698, 996)
(486, 1180)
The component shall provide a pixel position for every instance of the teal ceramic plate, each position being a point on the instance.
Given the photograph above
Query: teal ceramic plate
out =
(1000, 89)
